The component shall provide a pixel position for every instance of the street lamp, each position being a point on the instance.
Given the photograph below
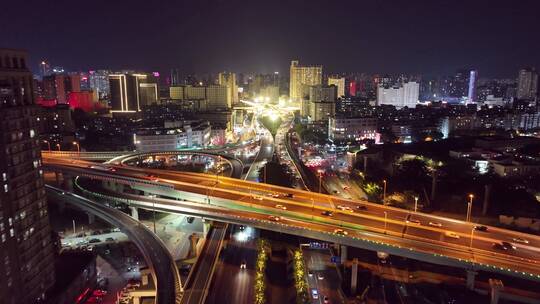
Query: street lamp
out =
(48, 144)
(58, 146)
(469, 207)
(415, 203)
(472, 236)
(384, 191)
(78, 148)
(218, 167)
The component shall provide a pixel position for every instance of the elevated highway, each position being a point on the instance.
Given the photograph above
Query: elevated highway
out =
(358, 223)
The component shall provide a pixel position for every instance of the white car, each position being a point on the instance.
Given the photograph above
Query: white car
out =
(274, 218)
(520, 240)
(340, 232)
(435, 224)
(451, 234)
(320, 276)
(279, 206)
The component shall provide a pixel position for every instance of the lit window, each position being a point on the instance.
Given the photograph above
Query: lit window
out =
(12, 232)
(32, 133)
(4, 176)
(5, 188)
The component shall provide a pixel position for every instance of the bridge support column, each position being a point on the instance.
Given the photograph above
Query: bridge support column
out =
(91, 218)
(57, 177)
(354, 276)
(68, 182)
(193, 238)
(496, 287)
(134, 212)
(136, 300)
(343, 253)
(471, 274)
(206, 227)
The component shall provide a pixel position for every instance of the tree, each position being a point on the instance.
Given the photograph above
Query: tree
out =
(271, 123)
(412, 175)
(276, 174)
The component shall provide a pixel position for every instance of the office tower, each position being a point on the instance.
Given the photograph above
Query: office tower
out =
(339, 82)
(400, 95)
(26, 251)
(130, 92)
(229, 80)
(301, 78)
(99, 82)
(321, 104)
(219, 97)
(175, 77)
(527, 83)
(471, 93)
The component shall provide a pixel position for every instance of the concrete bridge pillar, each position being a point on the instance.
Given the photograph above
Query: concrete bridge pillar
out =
(136, 300)
(496, 287)
(354, 276)
(134, 212)
(68, 182)
(471, 274)
(206, 227)
(193, 238)
(91, 218)
(57, 177)
(343, 253)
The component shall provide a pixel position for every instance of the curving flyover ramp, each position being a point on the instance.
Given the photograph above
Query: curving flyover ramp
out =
(160, 262)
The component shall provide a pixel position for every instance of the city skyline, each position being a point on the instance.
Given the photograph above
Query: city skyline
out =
(431, 38)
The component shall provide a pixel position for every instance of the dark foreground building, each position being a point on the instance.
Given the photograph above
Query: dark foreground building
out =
(26, 251)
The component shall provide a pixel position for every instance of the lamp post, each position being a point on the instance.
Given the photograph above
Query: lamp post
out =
(58, 146)
(48, 144)
(384, 192)
(385, 221)
(78, 148)
(469, 207)
(74, 230)
(415, 203)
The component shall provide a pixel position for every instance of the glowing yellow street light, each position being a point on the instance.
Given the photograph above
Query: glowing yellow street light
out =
(48, 144)
(469, 207)
(58, 146)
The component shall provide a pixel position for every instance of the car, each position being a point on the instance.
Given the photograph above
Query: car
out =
(109, 239)
(508, 245)
(289, 195)
(451, 234)
(326, 300)
(190, 219)
(90, 248)
(336, 192)
(242, 227)
(435, 224)
(346, 187)
(94, 241)
(520, 240)
(243, 265)
(340, 232)
(99, 292)
(310, 273)
(314, 294)
(279, 206)
(361, 207)
(327, 213)
(320, 276)
(414, 221)
(274, 218)
(259, 198)
(481, 228)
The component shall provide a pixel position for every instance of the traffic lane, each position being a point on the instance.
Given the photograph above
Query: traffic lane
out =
(319, 264)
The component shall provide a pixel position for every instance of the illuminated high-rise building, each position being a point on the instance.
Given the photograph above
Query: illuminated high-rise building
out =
(99, 82)
(339, 82)
(527, 84)
(400, 95)
(229, 80)
(26, 250)
(44, 68)
(301, 78)
(130, 92)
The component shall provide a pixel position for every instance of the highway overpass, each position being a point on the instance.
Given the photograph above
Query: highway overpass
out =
(366, 225)
(160, 262)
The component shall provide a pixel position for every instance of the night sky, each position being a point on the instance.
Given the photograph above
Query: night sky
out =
(431, 37)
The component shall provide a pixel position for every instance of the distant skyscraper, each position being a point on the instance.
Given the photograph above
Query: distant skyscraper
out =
(175, 77)
(473, 77)
(527, 83)
(301, 78)
(44, 68)
(403, 95)
(229, 80)
(26, 251)
(59, 86)
(339, 82)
